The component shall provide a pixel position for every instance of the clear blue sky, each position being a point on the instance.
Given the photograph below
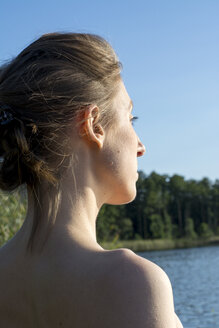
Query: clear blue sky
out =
(170, 54)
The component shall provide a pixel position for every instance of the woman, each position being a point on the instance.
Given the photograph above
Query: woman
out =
(66, 132)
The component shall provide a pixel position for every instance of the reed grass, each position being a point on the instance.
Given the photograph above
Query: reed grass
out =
(160, 244)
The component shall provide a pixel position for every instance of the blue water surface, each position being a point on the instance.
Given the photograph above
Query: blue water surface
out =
(194, 274)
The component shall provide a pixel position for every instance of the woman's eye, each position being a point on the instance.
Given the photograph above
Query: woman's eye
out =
(134, 118)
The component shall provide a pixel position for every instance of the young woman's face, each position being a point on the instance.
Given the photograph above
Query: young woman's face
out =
(120, 151)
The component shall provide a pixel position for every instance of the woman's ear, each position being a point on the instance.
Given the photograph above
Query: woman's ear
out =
(89, 128)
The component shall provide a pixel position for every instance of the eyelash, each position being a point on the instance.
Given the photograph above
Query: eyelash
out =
(134, 118)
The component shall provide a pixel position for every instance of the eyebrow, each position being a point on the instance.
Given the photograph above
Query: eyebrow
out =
(131, 105)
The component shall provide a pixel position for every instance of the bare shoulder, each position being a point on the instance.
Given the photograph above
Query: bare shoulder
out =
(134, 267)
(143, 292)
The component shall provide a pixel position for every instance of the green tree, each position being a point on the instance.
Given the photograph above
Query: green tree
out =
(177, 189)
(156, 226)
(126, 229)
(189, 229)
(12, 213)
(168, 227)
(205, 231)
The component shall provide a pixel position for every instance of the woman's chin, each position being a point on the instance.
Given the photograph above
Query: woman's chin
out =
(123, 197)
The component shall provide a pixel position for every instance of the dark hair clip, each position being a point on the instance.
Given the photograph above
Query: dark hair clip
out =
(5, 117)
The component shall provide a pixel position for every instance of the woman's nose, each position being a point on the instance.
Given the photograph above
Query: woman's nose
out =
(141, 149)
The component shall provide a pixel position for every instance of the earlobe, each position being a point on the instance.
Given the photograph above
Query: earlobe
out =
(97, 135)
(89, 128)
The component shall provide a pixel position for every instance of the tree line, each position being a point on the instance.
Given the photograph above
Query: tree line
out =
(165, 207)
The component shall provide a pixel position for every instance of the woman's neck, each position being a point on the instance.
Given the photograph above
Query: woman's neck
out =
(75, 220)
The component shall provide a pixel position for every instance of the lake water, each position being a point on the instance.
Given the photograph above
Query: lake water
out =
(194, 274)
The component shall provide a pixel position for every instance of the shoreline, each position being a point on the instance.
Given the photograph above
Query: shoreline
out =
(160, 244)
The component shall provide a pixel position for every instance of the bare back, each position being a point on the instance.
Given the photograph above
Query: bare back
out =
(72, 289)
(54, 291)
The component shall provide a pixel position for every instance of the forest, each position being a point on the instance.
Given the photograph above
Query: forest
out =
(166, 207)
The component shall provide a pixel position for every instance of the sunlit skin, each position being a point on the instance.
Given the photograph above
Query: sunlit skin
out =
(74, 282)
(108, 156)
